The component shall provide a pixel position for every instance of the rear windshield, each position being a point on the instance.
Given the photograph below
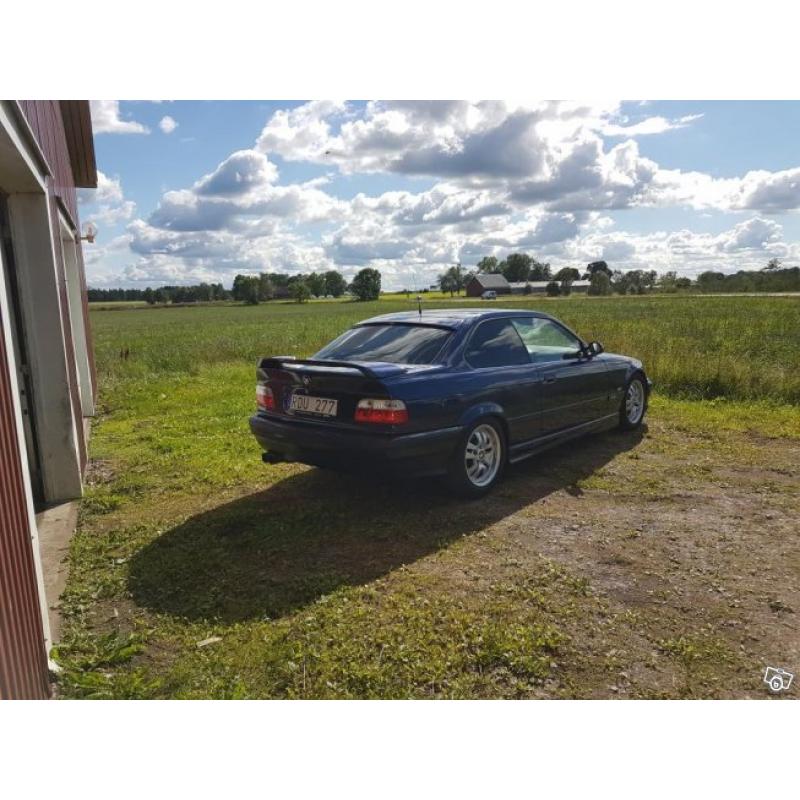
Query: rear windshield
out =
(397, 344)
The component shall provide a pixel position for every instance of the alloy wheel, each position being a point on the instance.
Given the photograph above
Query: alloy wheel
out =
(483, 455)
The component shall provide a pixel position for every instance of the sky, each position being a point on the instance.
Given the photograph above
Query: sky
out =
(200, 191)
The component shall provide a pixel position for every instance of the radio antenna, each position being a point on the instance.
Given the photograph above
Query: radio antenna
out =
(419, 303)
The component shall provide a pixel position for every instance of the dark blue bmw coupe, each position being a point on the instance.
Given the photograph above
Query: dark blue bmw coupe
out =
(458, 393)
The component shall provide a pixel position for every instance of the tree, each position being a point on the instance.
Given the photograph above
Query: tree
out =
(250, 291)
(683, 283)
(597, 266)
(238, 287)
(539, 271)
(488, 264)
(773, 264)
(219, 292)
(553, 289)
(635, 281)
(567, 274)
(517, 267)
(619, 282)
(245, 289)
(667, 282)
(710, 281)
(367, 284)
(447, 282)
(265, 290)
(149, 296)
(600, 284)
(335, 283)
(316, 284)
(453, 280)
(299, 291)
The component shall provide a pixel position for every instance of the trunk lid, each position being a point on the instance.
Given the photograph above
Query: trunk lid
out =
(343, 381)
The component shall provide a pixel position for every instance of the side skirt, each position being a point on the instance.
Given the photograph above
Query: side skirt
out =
(524, 450)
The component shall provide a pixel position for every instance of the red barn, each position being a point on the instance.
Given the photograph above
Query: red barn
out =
(47, 379)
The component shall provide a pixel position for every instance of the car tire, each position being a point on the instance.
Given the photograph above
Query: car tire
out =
(479, 460)
(634, 403)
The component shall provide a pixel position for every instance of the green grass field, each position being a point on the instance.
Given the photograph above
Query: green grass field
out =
(313, 585)
(693, 347)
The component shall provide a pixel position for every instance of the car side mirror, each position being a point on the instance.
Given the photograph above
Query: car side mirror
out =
(594, 349)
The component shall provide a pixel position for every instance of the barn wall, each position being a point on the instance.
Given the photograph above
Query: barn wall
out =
(47, 124)
(23, 661)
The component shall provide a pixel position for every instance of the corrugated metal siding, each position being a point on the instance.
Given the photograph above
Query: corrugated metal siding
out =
(23, 661)
(72, 368)
(47, 124)
(44, 117)
(87, 324)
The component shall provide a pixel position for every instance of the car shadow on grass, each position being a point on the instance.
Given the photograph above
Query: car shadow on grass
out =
(269, 553)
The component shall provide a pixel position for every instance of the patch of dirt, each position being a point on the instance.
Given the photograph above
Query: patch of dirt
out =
(98, 472)
(699, 577)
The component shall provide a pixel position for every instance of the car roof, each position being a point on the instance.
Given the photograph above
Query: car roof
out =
(450, 317)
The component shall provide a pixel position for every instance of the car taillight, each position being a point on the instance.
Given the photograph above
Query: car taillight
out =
(264, 398)
(387, 412)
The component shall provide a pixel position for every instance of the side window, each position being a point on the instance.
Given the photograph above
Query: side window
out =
(496, 343)
(545, 340)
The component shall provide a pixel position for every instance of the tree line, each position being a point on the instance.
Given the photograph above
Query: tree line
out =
(522, 268)
(254, 289)
(199, 293)
(517, 267)
(773, 278)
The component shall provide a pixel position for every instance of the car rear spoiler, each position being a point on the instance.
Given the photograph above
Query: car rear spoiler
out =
(280, 362)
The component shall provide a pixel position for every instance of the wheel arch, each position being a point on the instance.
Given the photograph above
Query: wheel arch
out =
(488, 411)
(481, 410)
(638, 372)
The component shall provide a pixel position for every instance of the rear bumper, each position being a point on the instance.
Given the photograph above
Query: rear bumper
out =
(309, 442)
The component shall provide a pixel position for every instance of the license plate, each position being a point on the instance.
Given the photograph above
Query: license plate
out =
(306, 404)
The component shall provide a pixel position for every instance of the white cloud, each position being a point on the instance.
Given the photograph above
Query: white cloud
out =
(106, 204)
(769, 191)
(106, 119)
(241, 172)
(755, 233)
(301, 133)
(240, 195)
(649, 126)
(109, 190)
(748, 245)
(549, 154)
(167, 124)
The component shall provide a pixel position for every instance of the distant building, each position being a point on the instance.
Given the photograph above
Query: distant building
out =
(47, 380)
(540, 287)
(478, 284)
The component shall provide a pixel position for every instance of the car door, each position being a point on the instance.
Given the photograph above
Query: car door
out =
(573, 390)
(502, 373)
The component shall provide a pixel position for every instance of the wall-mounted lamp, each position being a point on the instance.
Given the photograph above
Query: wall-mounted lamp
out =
(89, 232)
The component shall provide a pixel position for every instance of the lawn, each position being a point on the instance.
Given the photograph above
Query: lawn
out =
(640, 565)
